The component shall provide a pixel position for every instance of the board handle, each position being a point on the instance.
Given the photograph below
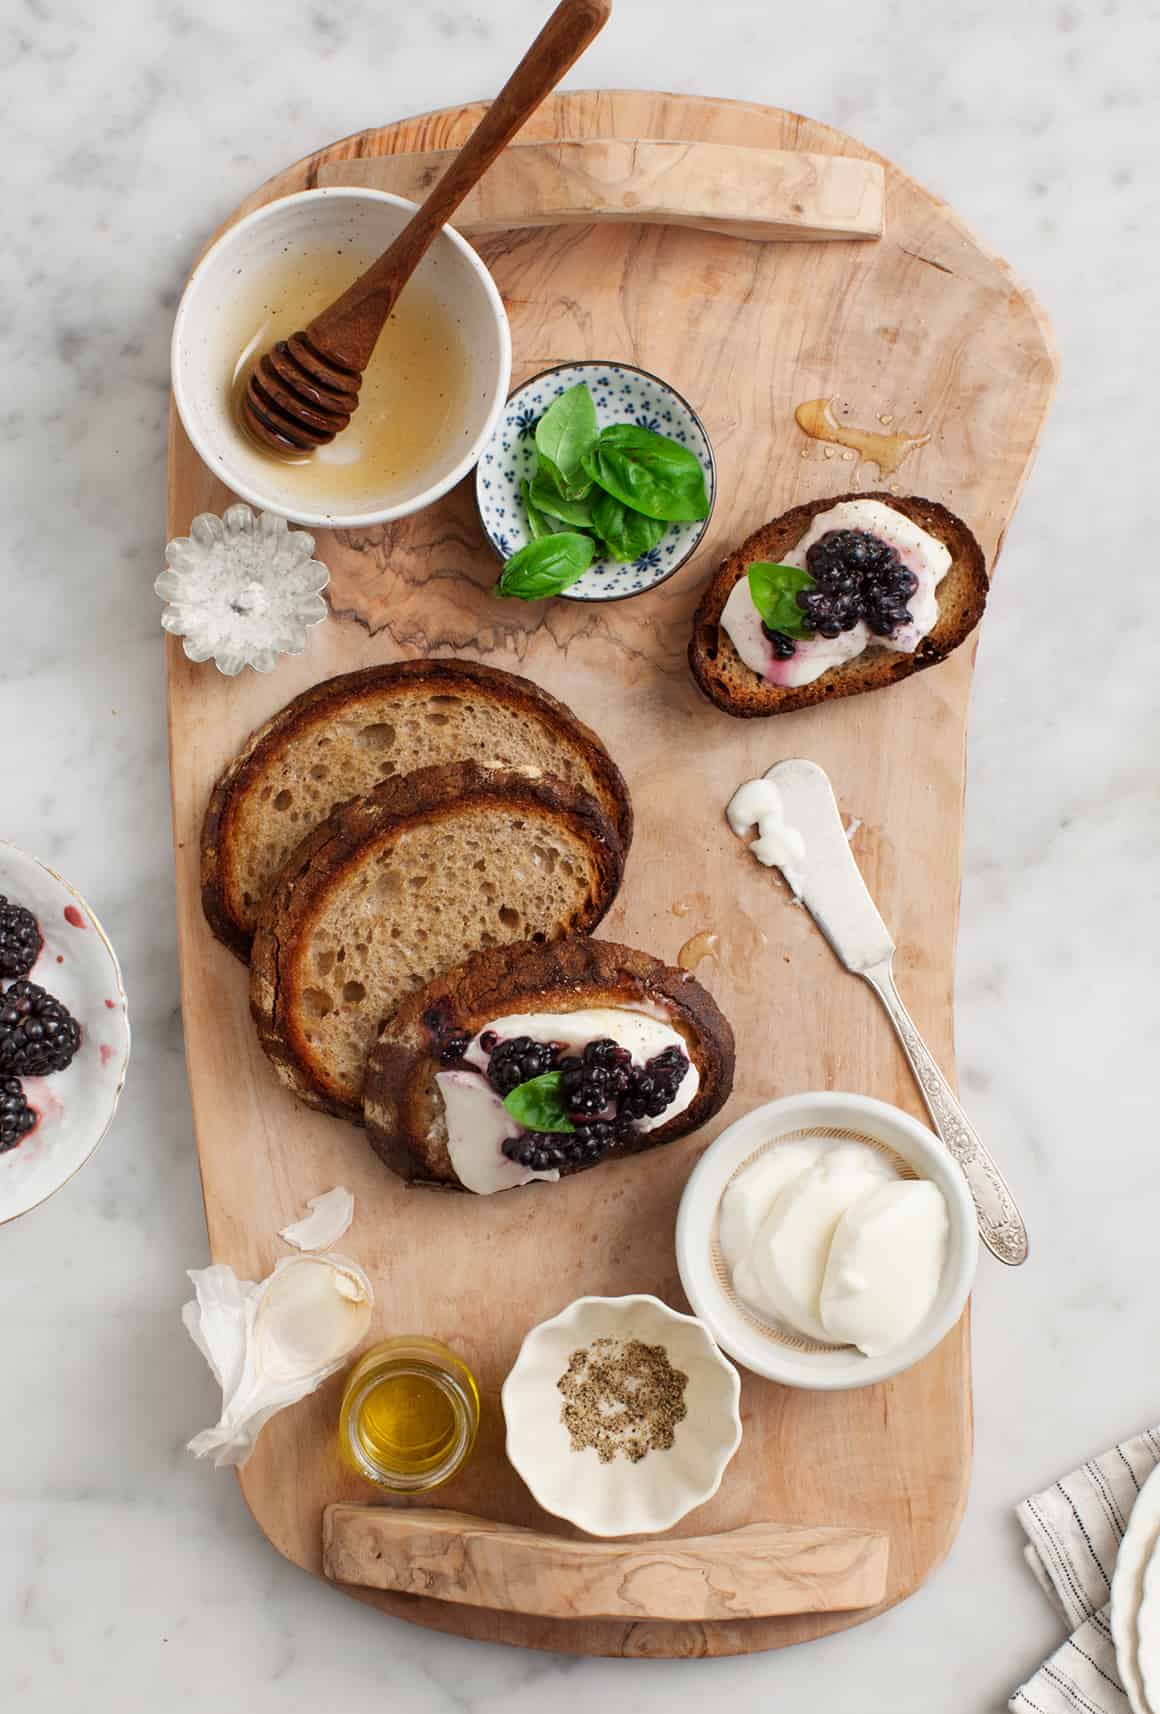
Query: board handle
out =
(774, 195)
(758, 1571)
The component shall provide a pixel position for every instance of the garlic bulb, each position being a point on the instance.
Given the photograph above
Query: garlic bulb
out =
(329, 1218)
(271, 1344)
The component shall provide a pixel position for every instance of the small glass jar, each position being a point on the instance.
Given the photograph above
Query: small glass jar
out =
(409, 1415)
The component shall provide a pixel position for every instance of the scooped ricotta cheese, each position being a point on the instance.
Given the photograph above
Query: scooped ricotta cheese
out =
(824, 1239)
(923, 554)
(478, 1123)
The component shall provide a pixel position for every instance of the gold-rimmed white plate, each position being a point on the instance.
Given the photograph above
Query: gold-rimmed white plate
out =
(76, 964)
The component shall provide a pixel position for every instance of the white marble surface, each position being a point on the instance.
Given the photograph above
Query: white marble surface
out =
(131, 1578)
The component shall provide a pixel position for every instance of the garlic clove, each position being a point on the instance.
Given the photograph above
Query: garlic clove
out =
(273, 1343)
(329, 1219)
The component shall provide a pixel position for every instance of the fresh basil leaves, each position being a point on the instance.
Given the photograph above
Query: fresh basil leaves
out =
(539, 524)
(564, 433)
(614, 490)
(774, 590)
(649, 473)
(547, 565)
(577, 512)
(626, 534)
(538, 1105)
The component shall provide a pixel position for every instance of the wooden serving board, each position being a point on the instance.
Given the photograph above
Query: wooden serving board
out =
(924, 328)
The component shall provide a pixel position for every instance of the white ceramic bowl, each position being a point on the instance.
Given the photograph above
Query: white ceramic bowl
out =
(739, 1329)
(205, 347)
(620, 1497)
(75, 1107)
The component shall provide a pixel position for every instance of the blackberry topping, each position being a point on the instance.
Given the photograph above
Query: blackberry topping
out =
(541, 1151)
(652, 1088)
(20, 939)
(518, 1061)
(590, 1083)
(37, 1034)
(16, 1117)
(784, 648)
(856, 576)
(453, 1046)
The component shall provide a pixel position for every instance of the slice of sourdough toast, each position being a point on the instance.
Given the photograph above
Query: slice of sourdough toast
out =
(405, 1115)
(394, 888)
(726, 680)
(342, 737)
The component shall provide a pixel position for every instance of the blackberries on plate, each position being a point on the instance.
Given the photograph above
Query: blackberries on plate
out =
(37, 1034)
(20, 939)
(17, 1118)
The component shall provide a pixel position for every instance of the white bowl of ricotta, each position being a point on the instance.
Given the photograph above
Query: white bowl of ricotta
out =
(827, 1241)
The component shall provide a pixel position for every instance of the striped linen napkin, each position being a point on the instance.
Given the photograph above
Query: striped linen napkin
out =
(1074, 1530)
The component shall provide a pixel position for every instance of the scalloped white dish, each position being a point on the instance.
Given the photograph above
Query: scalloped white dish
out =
(78, 966)
(620, 1497)
(1134, 1566)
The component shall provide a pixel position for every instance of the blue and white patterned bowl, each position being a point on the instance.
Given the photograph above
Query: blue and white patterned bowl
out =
(622, 394)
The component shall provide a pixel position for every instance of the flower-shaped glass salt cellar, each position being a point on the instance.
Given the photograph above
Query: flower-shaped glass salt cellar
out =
(242, 589)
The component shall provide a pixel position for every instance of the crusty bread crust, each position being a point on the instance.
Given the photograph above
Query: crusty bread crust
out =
(726, 680)
(329, 700)
(334, 851)
(401, 1099)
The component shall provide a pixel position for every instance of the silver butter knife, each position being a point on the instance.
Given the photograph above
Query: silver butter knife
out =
(829, 883)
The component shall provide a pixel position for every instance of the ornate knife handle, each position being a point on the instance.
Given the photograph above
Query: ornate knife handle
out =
(1000, 1222)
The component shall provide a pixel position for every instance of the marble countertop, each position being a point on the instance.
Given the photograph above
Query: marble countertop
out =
(130, 1576)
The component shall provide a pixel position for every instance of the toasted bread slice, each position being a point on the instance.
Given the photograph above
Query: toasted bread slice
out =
(396, 887)
(341, 738)
(404, 1109)
(727, 681)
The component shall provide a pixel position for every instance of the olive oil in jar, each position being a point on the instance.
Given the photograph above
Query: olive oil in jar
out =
(409, 1415)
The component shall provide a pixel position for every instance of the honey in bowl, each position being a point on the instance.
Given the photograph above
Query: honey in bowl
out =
(409, 1415)
(413, 400)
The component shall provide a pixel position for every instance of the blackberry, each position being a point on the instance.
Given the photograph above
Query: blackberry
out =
(37, 1034)
(885, 594)
(16, 1117)
(541, 1151)
(450, 1044)
(784, 648)
(20, 939)
(652, 1088)
(589, 1084)
(519, 1060)
(856, 576)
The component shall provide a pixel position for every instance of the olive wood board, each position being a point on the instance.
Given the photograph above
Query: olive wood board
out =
(753, 1572)
(783, 195)
(925, 328)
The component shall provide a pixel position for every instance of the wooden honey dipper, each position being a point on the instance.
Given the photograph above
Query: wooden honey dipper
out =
(304, 391)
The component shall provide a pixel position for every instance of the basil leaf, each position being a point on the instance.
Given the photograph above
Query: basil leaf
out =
(566, 431)
(649, 472)
(539, 525)
(547, 566)
(538, 1104)
(626, 533)
(548, 498)
(774, 591)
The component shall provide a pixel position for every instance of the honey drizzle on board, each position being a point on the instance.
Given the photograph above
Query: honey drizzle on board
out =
(816, 418)
(413, 399)
(698, 947)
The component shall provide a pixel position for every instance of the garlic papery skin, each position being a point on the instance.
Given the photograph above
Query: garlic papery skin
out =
(273, 1343)
(328, 1221)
